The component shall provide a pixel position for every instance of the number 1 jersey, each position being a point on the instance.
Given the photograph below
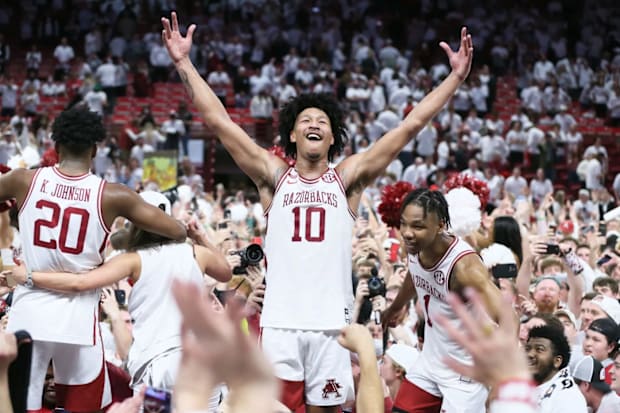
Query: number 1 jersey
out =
(62, 229)
(308, 249)
(433, 285)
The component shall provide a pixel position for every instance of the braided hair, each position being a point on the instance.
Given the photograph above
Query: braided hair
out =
(429, 201)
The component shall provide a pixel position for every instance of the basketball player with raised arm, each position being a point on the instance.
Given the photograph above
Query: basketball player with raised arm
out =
(65, 215)
(439, 263)
(310, 215)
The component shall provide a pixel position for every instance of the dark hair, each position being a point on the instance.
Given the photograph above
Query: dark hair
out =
(558, 339)
(430, 201)
(77, 130)
(612, 283)
(322, 101)
(506, 231)
(139, 239)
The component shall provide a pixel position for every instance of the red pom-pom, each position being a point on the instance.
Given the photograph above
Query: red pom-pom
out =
(475, 185)
(4, 169)
(279, 152)
(49, 158)
(391, 200)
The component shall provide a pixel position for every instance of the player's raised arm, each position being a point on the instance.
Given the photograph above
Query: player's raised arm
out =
(255, 161)
(370, 164)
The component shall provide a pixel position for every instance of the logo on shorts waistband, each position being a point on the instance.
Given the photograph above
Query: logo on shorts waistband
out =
(331, 386)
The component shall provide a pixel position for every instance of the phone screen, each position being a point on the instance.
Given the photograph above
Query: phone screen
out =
(157, 401)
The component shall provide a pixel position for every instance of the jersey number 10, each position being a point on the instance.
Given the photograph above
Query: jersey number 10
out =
(81, 214)
(311, 213)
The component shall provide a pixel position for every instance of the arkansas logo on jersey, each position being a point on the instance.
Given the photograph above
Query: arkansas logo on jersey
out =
(331, 387)
(328, 177)
(440, 278)
(291, 178)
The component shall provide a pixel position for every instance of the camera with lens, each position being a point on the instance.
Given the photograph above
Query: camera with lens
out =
(376, 285)
(252, 255)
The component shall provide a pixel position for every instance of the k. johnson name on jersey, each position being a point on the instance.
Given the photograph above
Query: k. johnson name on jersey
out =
(71, 193)
(310, 197)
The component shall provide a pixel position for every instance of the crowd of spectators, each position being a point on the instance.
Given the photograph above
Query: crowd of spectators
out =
(379, 59)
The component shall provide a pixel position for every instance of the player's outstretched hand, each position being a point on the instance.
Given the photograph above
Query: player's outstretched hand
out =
(495, 351)
(460, 61)
(178, 45)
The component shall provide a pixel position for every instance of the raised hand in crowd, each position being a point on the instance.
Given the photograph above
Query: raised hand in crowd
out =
(526, 306)
(357, 339)
(216, 350)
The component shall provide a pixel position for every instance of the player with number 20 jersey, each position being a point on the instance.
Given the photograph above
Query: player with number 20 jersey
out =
(62, 223)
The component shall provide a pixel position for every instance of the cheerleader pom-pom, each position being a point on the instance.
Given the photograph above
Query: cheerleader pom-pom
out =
(279, 152)
(475, 185)
(464, 210)
(392, 197)
(28, 158)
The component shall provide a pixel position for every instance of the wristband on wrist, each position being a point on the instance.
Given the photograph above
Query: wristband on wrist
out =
(517, 390)
(29, 283)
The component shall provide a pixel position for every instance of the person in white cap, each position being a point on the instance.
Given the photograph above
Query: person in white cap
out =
(151, 263)
(599, 307)
(589, 376)
(397, 360)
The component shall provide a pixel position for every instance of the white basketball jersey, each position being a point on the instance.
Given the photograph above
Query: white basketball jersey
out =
(432, 286)
(62, 229)
(157, 326)
(308, 246)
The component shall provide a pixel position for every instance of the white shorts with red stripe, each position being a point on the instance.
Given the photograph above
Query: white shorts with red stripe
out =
(80, 376)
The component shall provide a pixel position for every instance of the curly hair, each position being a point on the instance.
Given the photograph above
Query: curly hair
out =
(77, 130)
(558, 339)
(323, 101)
(429, 201)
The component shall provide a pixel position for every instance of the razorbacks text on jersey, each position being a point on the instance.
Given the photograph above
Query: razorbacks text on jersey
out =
(62, 229)
(308, 249)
